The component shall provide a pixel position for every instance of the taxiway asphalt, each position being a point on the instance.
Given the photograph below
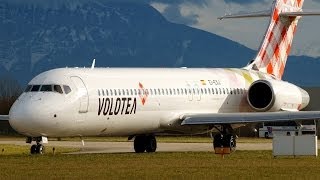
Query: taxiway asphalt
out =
(127, 147)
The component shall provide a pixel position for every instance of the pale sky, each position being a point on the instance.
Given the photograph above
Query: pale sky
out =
(202, 14)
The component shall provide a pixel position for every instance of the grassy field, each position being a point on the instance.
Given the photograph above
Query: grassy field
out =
(189, 165)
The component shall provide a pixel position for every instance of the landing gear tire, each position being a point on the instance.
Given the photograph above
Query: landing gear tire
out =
(145, 143)
(151, 144)
(33, 149)
(40, 149)
(225, 141)
(139, 144)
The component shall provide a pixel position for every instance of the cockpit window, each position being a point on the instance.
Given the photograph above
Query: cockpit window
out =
(57, 88)
(46, 88)
(67, 89)
(29, 87)
(35, 88)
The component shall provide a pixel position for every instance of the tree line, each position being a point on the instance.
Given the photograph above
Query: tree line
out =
(10, 90)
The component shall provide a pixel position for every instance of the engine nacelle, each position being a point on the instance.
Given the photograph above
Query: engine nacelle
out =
(274, 95)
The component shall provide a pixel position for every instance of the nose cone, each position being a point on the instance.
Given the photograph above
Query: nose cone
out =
(28, 118)
(21, 118)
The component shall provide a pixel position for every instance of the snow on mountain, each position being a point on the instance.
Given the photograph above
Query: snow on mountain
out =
(39, 35)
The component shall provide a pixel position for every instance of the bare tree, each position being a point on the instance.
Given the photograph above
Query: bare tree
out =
(10, 90)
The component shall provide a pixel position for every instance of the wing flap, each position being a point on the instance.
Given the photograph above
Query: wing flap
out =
(243, 118)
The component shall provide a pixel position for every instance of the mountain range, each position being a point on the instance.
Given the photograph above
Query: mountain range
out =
(35, 38)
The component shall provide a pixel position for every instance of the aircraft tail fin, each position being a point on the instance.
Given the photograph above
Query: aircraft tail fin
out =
(276, 45)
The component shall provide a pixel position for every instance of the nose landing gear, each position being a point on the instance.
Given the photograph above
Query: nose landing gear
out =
(37, 148)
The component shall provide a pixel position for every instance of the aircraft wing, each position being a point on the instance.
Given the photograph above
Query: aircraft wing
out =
(244, 118)
(4, 117)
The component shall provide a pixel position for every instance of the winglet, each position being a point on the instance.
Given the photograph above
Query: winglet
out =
(93, 63)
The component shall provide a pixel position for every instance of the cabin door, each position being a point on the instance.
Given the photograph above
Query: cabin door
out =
(82, 94)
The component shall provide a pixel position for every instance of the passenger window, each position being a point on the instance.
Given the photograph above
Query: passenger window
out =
(29, 87)
(35, 88)
(167, 92)
(99, 92)
(127, 92)
(119, 92)
(146, 92)
(178, 91)
(212, 91)
(111, 92)
(170, 91)
(66, 89)
(102, 92)
(131, 91)
(107, 92)
(123, 92)
(58, 89)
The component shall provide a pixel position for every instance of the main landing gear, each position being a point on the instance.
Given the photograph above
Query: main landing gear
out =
(37, 148)
(145, 143)
(225, 139)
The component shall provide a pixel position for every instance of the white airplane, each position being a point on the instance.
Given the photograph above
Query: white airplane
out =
(143, 102)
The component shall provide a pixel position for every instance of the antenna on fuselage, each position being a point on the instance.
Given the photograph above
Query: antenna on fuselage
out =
(93, 63)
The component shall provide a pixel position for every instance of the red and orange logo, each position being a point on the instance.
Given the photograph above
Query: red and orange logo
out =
(144, 94)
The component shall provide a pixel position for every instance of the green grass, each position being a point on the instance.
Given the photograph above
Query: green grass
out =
(9, 150)
(186, 165)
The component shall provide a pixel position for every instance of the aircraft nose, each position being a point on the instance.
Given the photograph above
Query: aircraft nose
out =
(28, 118)
(20, 117)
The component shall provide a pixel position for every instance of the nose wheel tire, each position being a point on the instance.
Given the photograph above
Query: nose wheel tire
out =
(33, 149)
(37, 149)
(40, 149)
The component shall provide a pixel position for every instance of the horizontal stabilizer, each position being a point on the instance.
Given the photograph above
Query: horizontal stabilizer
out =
(303, 13)
(268, 14)
(243, 118)
(246, 15)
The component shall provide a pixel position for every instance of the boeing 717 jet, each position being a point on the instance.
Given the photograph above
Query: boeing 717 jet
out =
(143, 102)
